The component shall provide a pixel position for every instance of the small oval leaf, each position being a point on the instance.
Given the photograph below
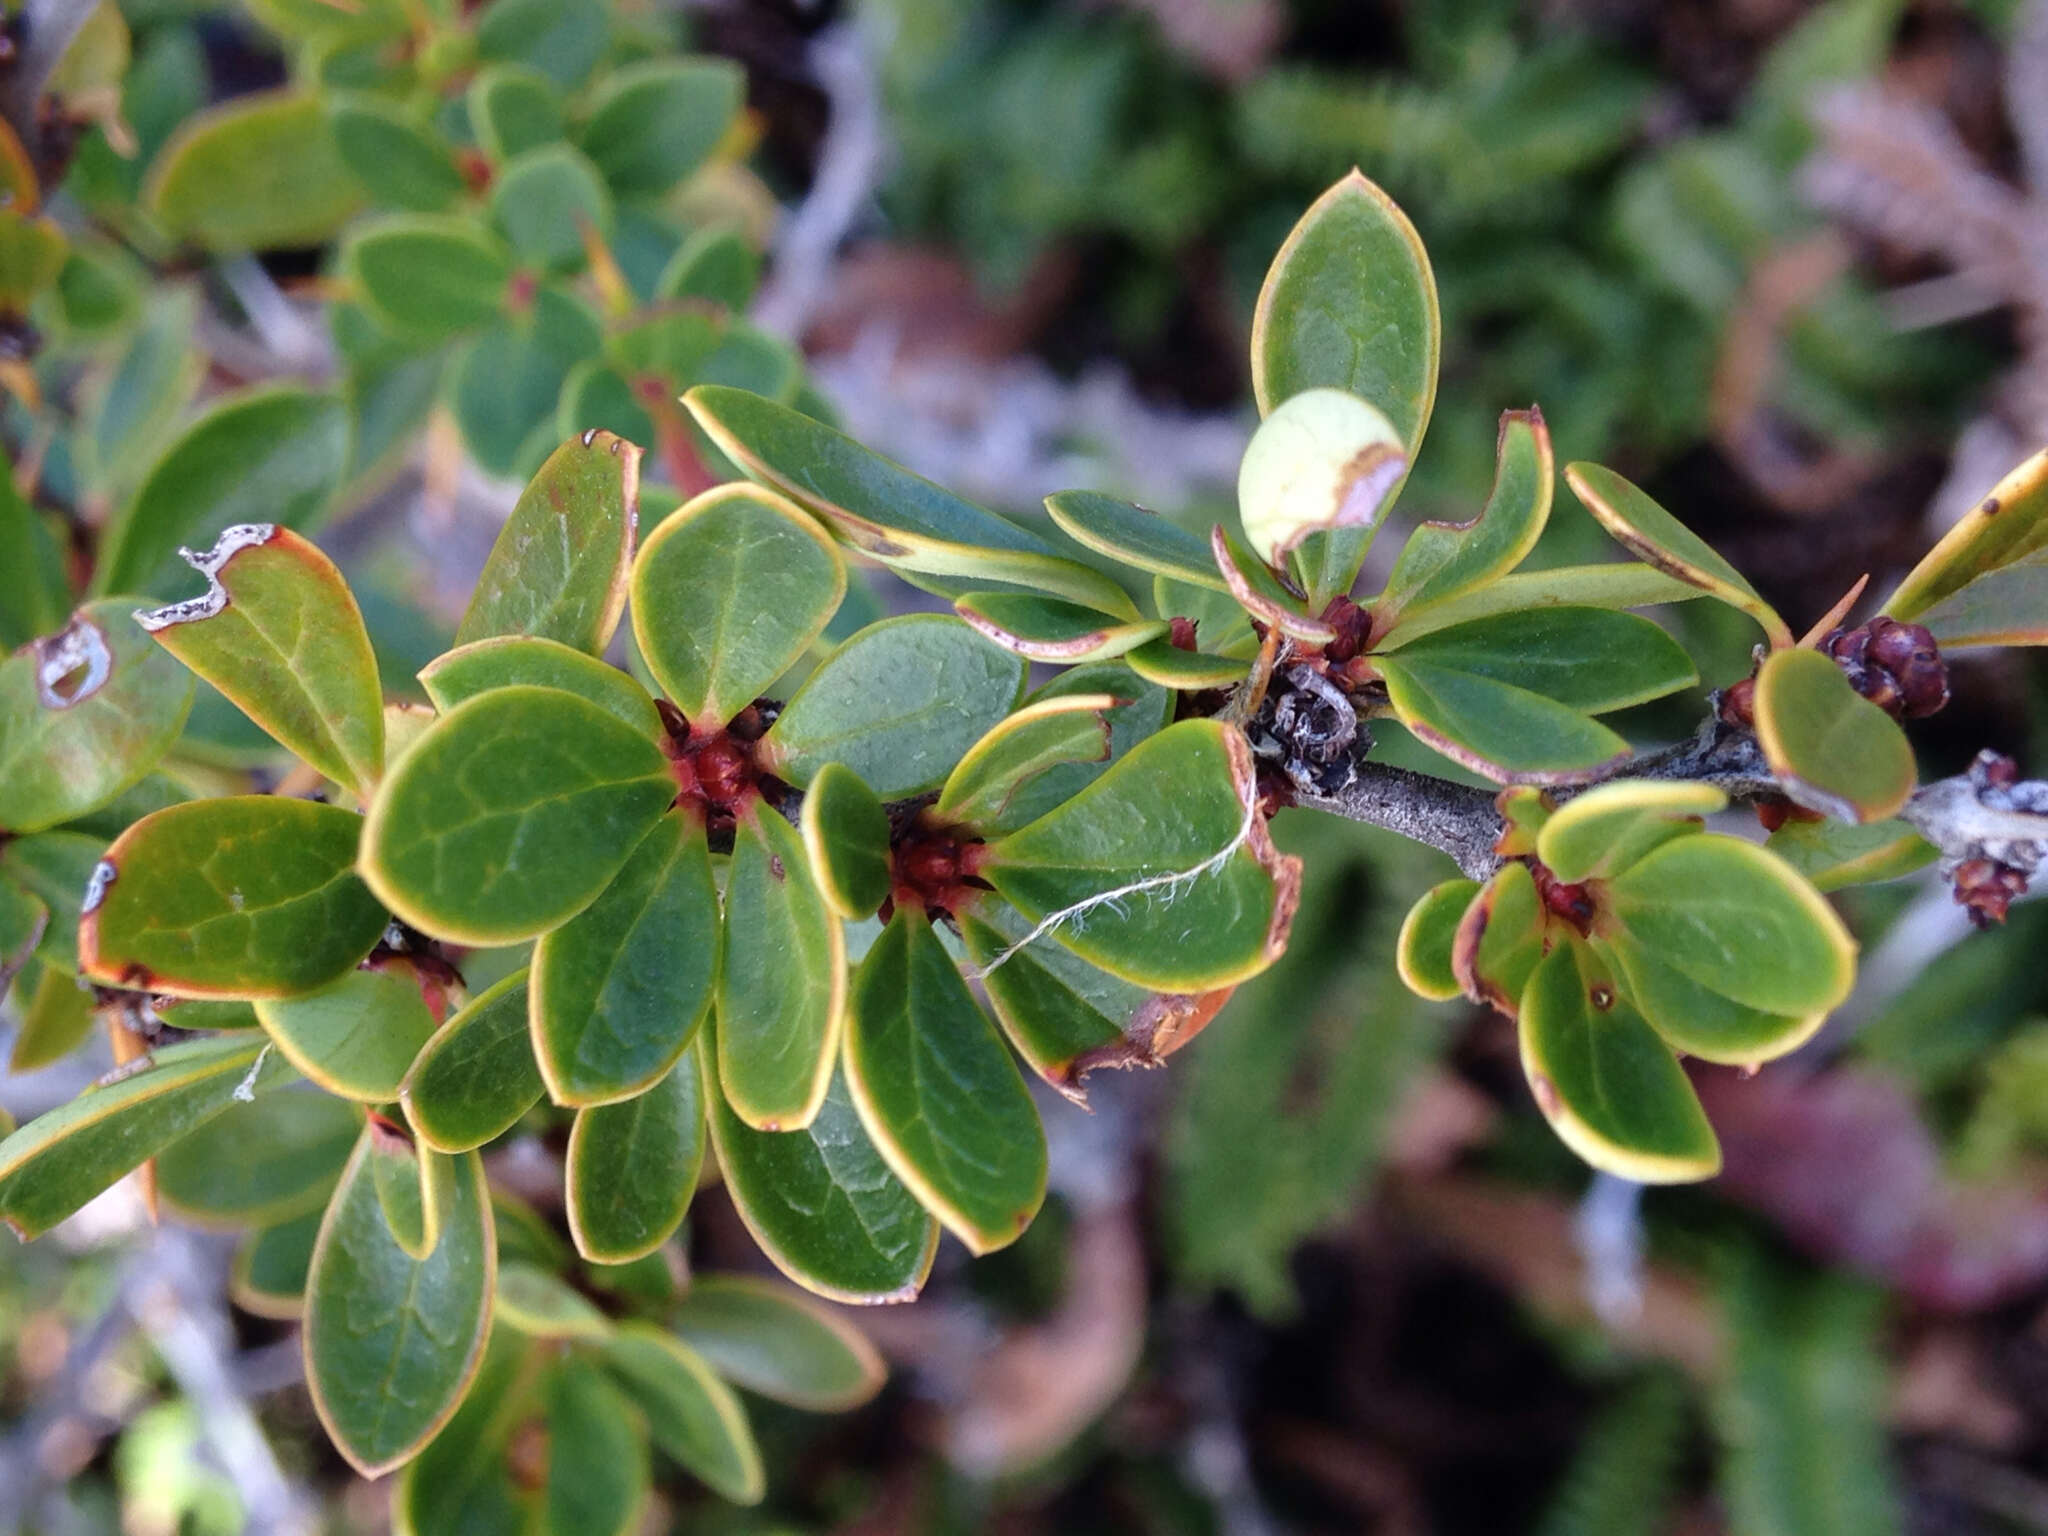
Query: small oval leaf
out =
(632, 1168)
(1832, 749)
(846, 834)
(476, 1077)
(775, 1341)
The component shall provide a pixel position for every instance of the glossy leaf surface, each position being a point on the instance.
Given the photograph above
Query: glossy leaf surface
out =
(1424, 953)
(782, 982)
(509, 661)
(511, 814)
(821, 1202)
(1044, 735)
(1602, 832)
(1495, 729)
(246, 897)
(1832, 749)
(278, 632)
(1701, 1020)
(356, 1036)
(620, 989)
(476, 1077)
(727, 593)
(1200, 897)
(1442, 560)
(937, 1090)
(846, 836)
(392, 1342)
(1135, 536)
(559, 567)
(1609, 1087)
(1615, 584)
(1589, 659)
(632, 1167)
(900, 703)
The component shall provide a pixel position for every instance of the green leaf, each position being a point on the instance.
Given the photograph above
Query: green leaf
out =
(465, 1480)
(2006, 527)
(717, 264)
(632, 1167)
(728, 593)
(1039, 737)
(23, 921)
(393, 1342)
(269, 1273)
(279, 633)
(247, 897)
(414, 1187)
(1730, 916)
(355, 1037)
(1504, 733)
(1832, 749)
(1050, 629)
(545, 202)
(821, 1203)
(938, 1092)
(259, 172)
(56, 1017)
(777, 1342)
(84, 715)
(1602, 832)
(1199, 901)
(1615, 584)
(846, 837)
(1425, 955)
(55, 868)
(882, 509)
(1349, 303)
(510, 814)
(427, 278)
(476, 1078)
(1700, 1020)
(399, 163)
(563, 39)
(34, 592)
(782, 981)
(691, 1414)
(510, 661)
(900, 703)
(597, 1454)
(1158, 661)
(260, 1163)
(513, 109)
(130, 411)
(60, 1160)
(1609, 1087)
(1444, 560)
(559, 567)
(1135, 536)
(1144, 710)
(1832, 854)
(266, 456)
(2008, 606)
(507, 383)
(1588, 659)
(1649, 532)
(1065, 1017)
(620, 989)
(1323, 464)
(32, 253)
(1500, 937)
(654, 123)
(542, 1305)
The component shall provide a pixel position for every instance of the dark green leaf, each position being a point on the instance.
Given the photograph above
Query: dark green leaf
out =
(508, 382)
(654, 123)
(511, 814)
(513, 109)
(984, 786)
(716, 264)
(691, 1414)
(399, 163)
(563, 39)
(2008, 606)
(1700, 1020)
(1444, 560)
(1589, 659)
(392, 1342)
(355, 1037)
(632, 1167)
(476, 1077)
(55, 868)
(269, 1273)
(779, 1343)
(260, 1163)
(782, 979)
(547, 202)
(727, 594)
(251, 896)
(56, 1016)
(900, 703)
(1134, 535)
(620, 989)
(1834, 854)
(542, 1305)
(1507, 734)
(821, 1202)
(597, 1455)
(1616, 584)
(846, 836)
